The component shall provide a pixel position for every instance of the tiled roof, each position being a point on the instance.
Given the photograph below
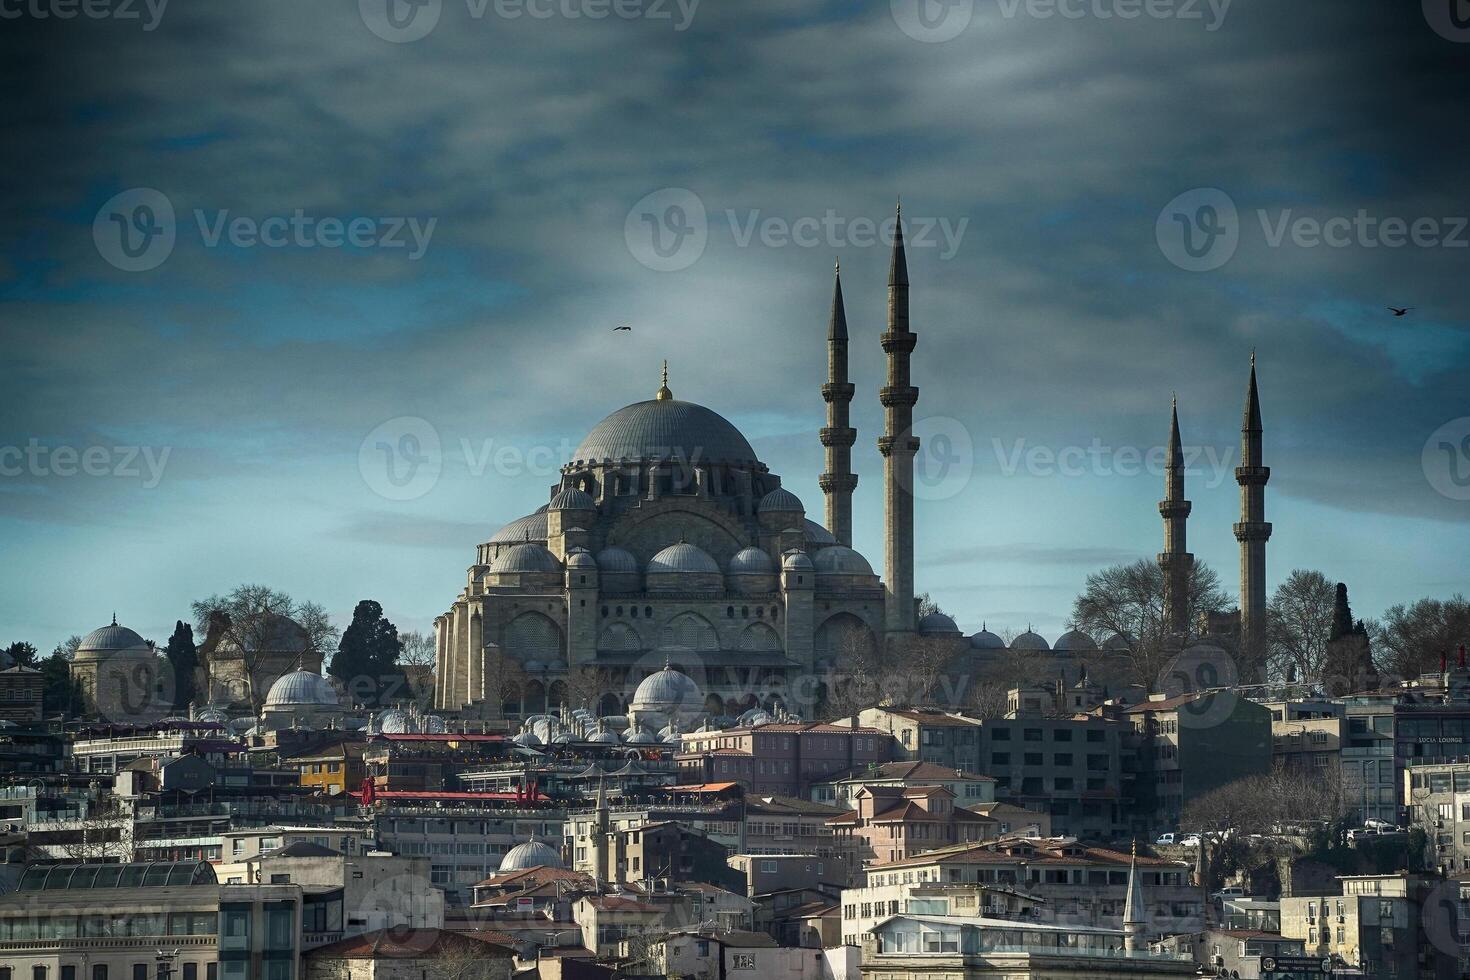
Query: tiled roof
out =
(934, 718)
(1168, 704)
(409, 944)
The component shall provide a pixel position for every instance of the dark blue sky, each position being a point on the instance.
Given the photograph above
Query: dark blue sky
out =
(471, 225)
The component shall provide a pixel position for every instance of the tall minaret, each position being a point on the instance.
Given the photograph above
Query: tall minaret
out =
(1175, 560)
(838, 436)
(1252, 532)
(898, 445)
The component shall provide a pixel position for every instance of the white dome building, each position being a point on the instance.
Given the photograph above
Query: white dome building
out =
(302, 699)
(121, 676)
(664, 699)
(531, 854)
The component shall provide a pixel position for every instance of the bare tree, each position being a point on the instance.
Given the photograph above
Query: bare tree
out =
(505, 678)
(1412, 638)
(857, 680)
(1298, 625)
(103, 833)
(258, 626)
(1128, 600)
(418, 649)
(587, 685)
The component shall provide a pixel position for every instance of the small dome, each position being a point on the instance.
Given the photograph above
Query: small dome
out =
(751, 561)
(527, 738)
(581, 558)
(573, 499)
(1075, 641)
(938, 623)
(603, 737)
(532, 527)
(838, 560)
(780, 501)
(212, 716)
(525, 557)
(986, 640)
(1118, 642)
(797, 561)
(615, 560)
(816, 533)
(682, 557)
(664, 428)
(668, 690)
(110, 639)
(531, 854)
(641, 736)
(1030, 641)
(301, 687)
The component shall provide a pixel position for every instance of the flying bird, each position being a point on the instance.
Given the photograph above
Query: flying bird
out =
(1397, 311)
(622, 327)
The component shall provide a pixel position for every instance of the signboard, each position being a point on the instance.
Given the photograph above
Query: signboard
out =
(743, 961)
(1296, 964)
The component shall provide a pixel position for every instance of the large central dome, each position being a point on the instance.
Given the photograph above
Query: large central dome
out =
(665, 429)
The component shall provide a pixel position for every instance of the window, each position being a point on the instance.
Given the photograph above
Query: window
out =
(1031, 734)
(99, 971)
(1001, 735)
(140, 971)
(68, 972)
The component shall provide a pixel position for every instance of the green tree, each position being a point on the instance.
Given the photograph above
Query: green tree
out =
(59, 693)
(366, 661)
(183, 658)
(1410, 639)
(22, 654)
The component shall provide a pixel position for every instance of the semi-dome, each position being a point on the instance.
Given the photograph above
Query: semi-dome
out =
(938, 623)
(665, 429)
(573, 499)
(301, 687)
(816, 533)
(839, 560)
(524, 557)
(682, 557)
(751, 561)
(531, 854)
(616, 560)
(1075, 641)
(780, 501)
(111, 639)
(581, 558)
(797, 561)
(1030, 641)
(986, 640)
(668, 690)
(532, 527)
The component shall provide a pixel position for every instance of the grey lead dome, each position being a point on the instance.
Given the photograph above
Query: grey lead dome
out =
(666, 429)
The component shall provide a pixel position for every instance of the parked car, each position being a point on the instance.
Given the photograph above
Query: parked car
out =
(1164, 839)
(1382, 825)
(1191, 840)
(1229, 891)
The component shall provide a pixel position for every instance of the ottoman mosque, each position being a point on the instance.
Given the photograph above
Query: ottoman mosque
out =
(668, 542)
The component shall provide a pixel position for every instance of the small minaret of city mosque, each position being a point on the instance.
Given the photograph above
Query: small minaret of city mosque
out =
(1135, 913)
(1252, 532)
(1175, 560)
(898, 445)
(838, 436)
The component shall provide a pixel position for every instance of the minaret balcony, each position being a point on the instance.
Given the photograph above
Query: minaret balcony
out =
(837, 482)
(837, 435)
(838, 392)
(1168, 559)
(899, 342)
(1252, 476)
(898, 395)
(1253, 531)
(888, 445)
(1171, 509)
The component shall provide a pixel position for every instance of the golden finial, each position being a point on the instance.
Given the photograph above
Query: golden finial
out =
(664, 394)
(1135, 847)
(1253, 357)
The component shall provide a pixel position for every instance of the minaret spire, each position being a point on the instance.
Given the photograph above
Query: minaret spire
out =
(1135, 913)
(898, 445)
(1252, 532)
(1175, 560)
(838, 435)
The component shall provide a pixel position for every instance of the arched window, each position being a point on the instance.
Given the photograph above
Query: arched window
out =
(759, 637)
(619, 637)
(691, 631)
(532, 636)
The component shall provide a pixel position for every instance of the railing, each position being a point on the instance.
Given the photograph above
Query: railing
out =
(106, 942)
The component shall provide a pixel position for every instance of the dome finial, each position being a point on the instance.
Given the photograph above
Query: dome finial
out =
(664, 394)
(114, 617)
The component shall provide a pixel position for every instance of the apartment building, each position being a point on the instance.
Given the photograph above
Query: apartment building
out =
(780, 759)
(895, 822)
(1375, 923)
(969, 788)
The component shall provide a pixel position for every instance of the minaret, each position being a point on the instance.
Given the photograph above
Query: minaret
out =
(599, 834)
(898, 446)
(838, 436)
(1252, 532)
(1135, 913)
(1175, 560)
